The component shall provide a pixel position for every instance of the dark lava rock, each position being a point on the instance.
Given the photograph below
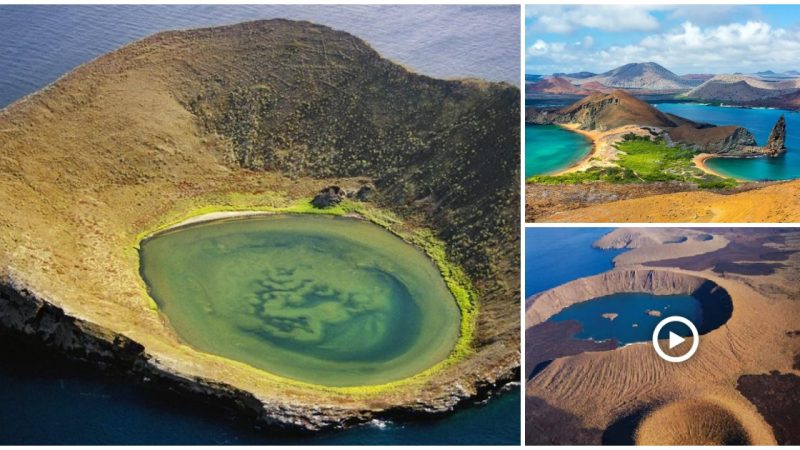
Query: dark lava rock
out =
(777, 397)
(365, 192)
(330, 196)
(776, 143)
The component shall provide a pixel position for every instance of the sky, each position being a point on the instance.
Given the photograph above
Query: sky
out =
(683, 38)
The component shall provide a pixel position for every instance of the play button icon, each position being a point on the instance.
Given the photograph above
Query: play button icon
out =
(675, 339)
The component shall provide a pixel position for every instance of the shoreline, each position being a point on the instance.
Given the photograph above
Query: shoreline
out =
(458, 284)
(583, 163)
(603, 152)
(700, 162)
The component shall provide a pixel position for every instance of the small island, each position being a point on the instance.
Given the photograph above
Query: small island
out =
(610, 316)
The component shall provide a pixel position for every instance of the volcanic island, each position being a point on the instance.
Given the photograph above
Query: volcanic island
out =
(740, 387)
(141, 188)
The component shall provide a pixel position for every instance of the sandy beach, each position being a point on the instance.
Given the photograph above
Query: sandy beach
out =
(603, 152)
(700, 162)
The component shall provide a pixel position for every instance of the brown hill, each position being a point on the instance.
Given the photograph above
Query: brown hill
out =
(555, 85)
(600, 111)
(650, 76)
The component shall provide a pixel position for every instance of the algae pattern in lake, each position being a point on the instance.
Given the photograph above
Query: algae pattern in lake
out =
(326, 300)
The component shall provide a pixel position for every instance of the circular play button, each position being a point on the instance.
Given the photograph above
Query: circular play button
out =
(676, 340)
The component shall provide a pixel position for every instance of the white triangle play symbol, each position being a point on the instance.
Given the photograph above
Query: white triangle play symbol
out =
(674, 340)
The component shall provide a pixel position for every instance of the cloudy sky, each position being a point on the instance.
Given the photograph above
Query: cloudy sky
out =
(684, 39)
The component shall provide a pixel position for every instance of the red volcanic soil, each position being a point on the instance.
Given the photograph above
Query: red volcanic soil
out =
(556, 85)
(597, 86)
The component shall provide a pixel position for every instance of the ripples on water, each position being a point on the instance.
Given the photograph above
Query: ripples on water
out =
(40, 43)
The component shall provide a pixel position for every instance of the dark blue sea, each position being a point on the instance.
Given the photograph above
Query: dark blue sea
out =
(43, 401)
(554, 256)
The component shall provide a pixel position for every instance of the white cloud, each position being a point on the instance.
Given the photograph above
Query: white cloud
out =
(565, 19)
(734, 47)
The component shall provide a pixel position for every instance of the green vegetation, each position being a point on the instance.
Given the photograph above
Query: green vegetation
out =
(644, 160)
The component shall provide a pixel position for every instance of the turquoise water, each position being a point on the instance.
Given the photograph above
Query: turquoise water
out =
(633, 323)
(554, 256)
(760, 123)
(549, 148)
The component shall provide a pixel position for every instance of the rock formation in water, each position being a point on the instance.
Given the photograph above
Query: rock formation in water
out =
(776, 143)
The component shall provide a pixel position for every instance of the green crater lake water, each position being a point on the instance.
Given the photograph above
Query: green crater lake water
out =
(550, 149)
(326, 300)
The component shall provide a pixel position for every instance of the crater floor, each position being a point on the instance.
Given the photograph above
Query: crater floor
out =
(327, 300)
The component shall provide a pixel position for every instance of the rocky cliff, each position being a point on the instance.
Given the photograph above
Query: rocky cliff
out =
(542, 306)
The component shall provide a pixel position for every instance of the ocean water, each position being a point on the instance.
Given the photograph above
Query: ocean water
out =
(550, 148)
(326, 300)
(554, 256)
(632, 323)
(760, 123)
(40, 43)
(46, 401)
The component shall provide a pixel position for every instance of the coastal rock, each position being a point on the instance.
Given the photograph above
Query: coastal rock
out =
(776, 143)
(328, 197)
(725, 140)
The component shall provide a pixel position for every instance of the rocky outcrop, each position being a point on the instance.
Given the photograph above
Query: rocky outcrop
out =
(328, 197)
(723, 140)
(776, 143)
(365, 193)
